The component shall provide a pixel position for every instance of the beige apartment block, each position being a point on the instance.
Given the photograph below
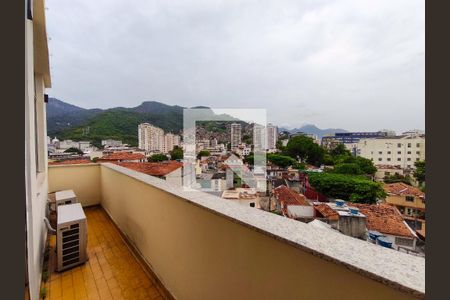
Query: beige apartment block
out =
(401, 151)
(151, 138)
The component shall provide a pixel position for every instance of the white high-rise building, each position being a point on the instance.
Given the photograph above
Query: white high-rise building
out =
(236, 132)
(151, 138)
(272, 136)
(170, 141)
(259, 137)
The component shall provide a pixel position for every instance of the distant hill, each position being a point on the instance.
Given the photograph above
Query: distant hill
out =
(313, 129)
(67, 121)
(62, 115)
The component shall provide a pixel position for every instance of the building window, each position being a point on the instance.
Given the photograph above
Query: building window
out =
(39, 121)
(409, 199)
(387, 173)
(417, 159)
(399, 152)
(380, 159)
(399, 145)
(409, 145)
(409, 152)
(380, 152)
(389, 152)
(418, 152)
(399, 159)
(408, 166)
(29, 9)
(408, 159)
(388, 159)
(418, 145)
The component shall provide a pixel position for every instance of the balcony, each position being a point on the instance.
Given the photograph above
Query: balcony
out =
(197, 246)
(112, 271)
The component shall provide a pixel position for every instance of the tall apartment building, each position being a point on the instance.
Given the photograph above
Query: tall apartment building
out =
(170, 141)
(259, 137)
(400, 151)
(236, 134)
(272, 136)
(151, 138)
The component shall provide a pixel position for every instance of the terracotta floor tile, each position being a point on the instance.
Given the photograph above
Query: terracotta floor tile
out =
(111, 273)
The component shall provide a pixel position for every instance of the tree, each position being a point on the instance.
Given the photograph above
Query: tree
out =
(282, 161)
(176, 153)
(342, 164)
(306, 149)
(347, 187)
(366, 165)
(249, 159)
(247, 139)
(74, 150)
(203, 153)
(340, 150)
(157, 157)
(348, 168)
(419, 173)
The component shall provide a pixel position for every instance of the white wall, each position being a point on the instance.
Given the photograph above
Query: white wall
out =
(175, 177)
(35, 182)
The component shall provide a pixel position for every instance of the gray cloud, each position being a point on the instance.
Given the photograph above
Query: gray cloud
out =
(357, 65)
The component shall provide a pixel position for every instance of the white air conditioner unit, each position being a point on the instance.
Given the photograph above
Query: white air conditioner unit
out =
(65, 197)
(71, 234)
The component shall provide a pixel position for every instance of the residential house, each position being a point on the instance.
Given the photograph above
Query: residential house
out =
(171, 171)
(123, 157)
(387, 170)
(292, 204)
(345, 218)
(307, 190)
(386, 219)
(410, 201)
(218, 182)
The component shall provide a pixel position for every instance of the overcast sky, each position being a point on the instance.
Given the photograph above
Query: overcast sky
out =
(357, 65)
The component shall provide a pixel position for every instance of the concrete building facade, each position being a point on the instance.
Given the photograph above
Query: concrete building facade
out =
(272, 136)
(236, 135)
(401, 151)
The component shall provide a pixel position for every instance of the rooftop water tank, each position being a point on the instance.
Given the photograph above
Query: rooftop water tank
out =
(353, 210)
(374, 234)
(382, 241)
(339, 202)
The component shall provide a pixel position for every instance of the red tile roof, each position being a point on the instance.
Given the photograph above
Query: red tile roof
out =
(122, 156)
(402, 189)
(70, 162)
(152, 168)
(326, 211)
(289, 197)
(384, 218)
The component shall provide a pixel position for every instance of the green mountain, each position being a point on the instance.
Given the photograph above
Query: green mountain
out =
(71, 122)
(67, 121)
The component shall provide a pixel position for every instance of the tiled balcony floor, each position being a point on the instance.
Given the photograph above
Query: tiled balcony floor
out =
(112, 272)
